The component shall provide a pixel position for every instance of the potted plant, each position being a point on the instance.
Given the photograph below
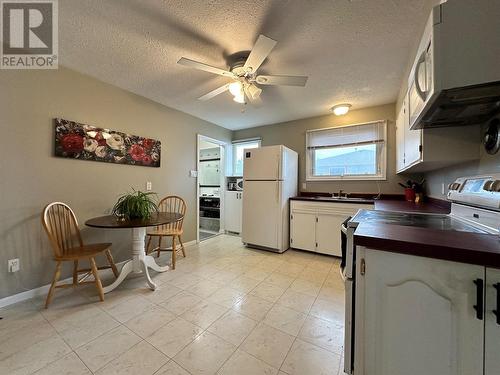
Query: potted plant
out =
(136, 205)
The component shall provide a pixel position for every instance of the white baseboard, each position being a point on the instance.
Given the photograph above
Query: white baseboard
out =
(43, 290)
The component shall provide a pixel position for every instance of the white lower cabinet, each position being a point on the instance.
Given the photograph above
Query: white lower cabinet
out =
(492, 323)
(303, 230)
(328, 240)
(315, 226)
(417, 315)
(233, 204)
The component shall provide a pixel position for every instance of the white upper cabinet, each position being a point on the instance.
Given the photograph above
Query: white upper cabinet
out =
(400, 138)
(408, 142)
(423, 150)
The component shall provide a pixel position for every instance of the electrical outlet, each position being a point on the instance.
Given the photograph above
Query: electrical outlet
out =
(149, 186)
(193, 173)
(442, 188)
(304, 186)
(13, 265)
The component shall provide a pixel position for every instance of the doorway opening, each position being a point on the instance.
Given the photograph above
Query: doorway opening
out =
(210, 187)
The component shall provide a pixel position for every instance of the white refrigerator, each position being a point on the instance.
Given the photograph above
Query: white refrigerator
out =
(269, 179)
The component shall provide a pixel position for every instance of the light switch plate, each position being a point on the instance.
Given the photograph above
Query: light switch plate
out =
(304, 186)
(149, 186)
(13, 265)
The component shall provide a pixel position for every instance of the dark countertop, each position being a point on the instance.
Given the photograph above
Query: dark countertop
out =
(391, 203)
(434, 206)
(465, 247)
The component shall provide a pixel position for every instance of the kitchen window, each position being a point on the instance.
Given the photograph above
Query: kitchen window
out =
(352, 152)
(238, 147)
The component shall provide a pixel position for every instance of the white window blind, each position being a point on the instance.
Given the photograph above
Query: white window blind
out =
(352, 152)
(347, 135)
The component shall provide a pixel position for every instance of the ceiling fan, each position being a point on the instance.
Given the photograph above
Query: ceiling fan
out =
(243, 68)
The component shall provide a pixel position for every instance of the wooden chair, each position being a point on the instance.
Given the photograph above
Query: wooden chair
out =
(175, 204)
(61, 226)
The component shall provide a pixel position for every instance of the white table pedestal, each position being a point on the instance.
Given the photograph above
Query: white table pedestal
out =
(140, 262)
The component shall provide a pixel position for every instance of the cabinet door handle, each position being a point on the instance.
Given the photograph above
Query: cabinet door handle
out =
(479, 306)
(497, 311)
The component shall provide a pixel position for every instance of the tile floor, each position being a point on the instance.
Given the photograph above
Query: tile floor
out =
(225, 310)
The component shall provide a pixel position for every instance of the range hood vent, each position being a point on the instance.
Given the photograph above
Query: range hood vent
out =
(469, 105)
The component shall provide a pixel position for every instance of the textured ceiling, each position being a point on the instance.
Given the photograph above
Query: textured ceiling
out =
(352, 50)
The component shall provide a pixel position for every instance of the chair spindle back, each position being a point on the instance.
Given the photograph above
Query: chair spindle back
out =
(176, 204)
(59, 221)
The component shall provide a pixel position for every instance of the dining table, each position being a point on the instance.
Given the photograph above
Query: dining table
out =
(140, 261)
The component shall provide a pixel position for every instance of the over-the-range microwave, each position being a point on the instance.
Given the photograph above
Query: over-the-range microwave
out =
(455, 79)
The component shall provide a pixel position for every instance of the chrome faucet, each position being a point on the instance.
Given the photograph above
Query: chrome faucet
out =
(339, 194)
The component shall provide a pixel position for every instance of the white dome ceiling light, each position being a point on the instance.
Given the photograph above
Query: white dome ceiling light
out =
(341, 109)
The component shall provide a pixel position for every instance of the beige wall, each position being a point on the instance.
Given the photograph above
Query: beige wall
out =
(293, 134)
(30, 176)
(486, 164)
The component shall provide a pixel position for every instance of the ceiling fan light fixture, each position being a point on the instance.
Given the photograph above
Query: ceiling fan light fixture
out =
(236, 88)
(254, 91)
(239, 98)
(341, 109)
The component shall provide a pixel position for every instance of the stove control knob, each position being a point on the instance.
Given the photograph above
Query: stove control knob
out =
(454, 186)
(495, 186)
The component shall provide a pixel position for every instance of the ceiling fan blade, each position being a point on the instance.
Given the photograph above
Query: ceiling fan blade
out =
(282, 80)
(207, 68)
(214, 93)
(263, 46)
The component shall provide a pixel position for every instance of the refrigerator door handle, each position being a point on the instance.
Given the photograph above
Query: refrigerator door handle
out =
(279, 176)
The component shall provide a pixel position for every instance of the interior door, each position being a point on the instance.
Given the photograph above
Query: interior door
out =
(492, 323)
(303, 230)
(328, 238)
(418, 316)
(262, 163)
(261, 213)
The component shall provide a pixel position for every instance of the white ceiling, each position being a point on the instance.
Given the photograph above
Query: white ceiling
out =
(352, 50)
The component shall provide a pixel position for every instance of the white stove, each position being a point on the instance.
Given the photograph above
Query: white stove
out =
(475, 208)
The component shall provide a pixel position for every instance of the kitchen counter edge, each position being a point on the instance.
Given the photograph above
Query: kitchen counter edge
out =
(463, 247)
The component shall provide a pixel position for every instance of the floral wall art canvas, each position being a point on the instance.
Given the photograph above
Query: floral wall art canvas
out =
(79, 141)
